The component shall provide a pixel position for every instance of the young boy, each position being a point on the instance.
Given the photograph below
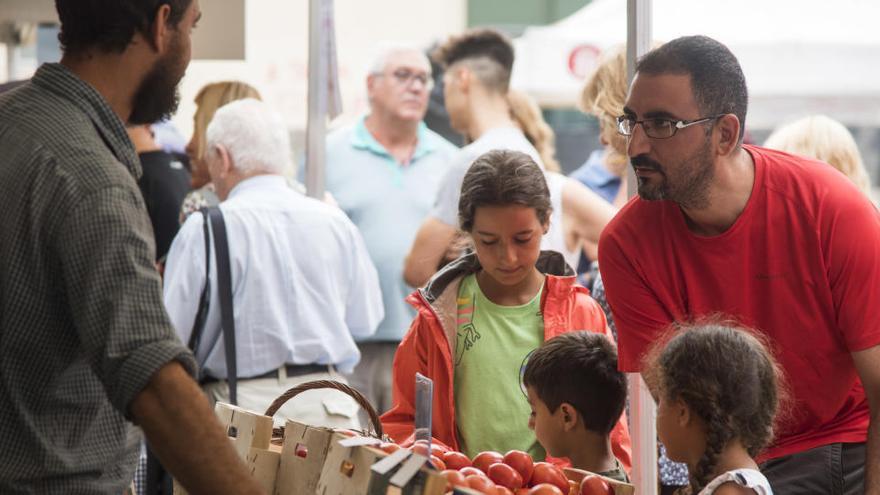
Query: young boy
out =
(577, 395)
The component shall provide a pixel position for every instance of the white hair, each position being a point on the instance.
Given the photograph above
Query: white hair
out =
(383, 52)
(254, 135)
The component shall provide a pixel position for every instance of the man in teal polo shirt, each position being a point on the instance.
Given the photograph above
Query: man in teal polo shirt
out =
(384, 171)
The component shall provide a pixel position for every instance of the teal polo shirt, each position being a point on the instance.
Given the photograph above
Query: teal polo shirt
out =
(388, 201)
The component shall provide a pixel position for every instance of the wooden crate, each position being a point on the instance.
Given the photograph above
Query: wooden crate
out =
(302, 458)
(353, 467)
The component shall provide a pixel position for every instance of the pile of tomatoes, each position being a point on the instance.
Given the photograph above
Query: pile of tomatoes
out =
(514, 473)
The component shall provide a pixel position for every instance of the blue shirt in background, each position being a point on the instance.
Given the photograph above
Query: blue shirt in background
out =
(387, 201)
(594, 175)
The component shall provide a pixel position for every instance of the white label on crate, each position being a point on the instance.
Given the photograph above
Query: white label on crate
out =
(359, 441)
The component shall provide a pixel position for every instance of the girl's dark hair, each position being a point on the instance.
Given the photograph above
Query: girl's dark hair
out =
(727, 376)
(110, 25)
(500, 178)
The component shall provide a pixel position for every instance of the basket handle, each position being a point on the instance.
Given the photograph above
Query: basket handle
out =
(317, 384)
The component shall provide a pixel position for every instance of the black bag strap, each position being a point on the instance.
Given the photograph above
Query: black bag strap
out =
(224, 286)
(205, 300)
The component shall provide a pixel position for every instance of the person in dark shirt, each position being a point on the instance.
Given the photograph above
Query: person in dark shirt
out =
(164, 184)
(88, 350)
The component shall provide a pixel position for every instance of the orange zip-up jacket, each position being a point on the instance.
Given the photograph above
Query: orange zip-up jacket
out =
(428, 346)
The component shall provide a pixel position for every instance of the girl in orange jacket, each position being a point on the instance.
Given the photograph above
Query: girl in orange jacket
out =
(481, 316)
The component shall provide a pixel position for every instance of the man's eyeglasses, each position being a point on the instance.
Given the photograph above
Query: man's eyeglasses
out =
(405, 77)
(658, 128)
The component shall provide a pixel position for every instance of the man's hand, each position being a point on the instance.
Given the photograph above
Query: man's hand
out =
(186, 436)
(430, 245)
(868, 366)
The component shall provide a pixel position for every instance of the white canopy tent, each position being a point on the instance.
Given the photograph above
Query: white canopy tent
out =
(799, 56)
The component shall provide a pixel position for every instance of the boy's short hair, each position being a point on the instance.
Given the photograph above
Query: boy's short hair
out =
(488, 53)
(579, 368)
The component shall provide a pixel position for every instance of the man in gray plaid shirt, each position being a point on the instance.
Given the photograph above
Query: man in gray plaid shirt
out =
(85, 344)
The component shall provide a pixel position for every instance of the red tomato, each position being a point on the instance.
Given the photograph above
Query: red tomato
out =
(480, 483)
(420, 447)
(595, 485)
(483, 460)
(438, 450)
(453, 479)
(389, 448)
(505, 475)
(545, 489)
(522, 462)
(455, 460)
(438, 463)
(548, 473)
(500, 490)
(469, 470)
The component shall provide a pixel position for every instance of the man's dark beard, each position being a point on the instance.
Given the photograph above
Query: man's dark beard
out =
(653, 192)
(689, 186)
(157, 96)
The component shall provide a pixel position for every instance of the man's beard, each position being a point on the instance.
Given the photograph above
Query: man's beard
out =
(157, 96)
(689, 184)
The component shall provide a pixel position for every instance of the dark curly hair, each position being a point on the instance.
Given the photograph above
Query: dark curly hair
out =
(110, 25)
(500, 178)
(727, 377)
(487, 50)
(717, 80)
(579, 368)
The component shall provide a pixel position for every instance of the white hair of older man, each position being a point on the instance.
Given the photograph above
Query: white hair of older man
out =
(384, 50)
(254, 136)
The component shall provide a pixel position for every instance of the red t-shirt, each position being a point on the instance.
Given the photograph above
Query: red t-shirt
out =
(801, 264)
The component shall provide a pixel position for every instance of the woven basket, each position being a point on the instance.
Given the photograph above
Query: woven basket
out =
(375, 431)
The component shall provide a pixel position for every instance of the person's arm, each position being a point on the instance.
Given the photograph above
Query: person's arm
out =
(850, 228)
(185, 275)
(868, 366)
(585, 210)
(429, 247)
(398, 422)
(438, 230)
(639, 316)
(186, 436)
(363, 309)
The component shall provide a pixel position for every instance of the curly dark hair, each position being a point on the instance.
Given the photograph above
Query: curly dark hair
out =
(717, 80)
(500, 178)
(727, 377)
(110, 25)
(579, 368)
(487, 45)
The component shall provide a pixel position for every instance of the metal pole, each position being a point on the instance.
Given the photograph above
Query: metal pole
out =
(317, 123)
(643, 410)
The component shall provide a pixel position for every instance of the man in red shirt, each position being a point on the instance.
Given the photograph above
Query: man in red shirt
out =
(780, 243)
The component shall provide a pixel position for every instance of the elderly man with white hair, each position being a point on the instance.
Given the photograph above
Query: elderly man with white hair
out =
(384, 171)
(303, 284)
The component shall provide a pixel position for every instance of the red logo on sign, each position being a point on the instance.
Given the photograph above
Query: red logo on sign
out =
(582, 60)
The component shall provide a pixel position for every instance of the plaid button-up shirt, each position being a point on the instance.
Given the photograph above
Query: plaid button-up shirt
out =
(82, 323)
